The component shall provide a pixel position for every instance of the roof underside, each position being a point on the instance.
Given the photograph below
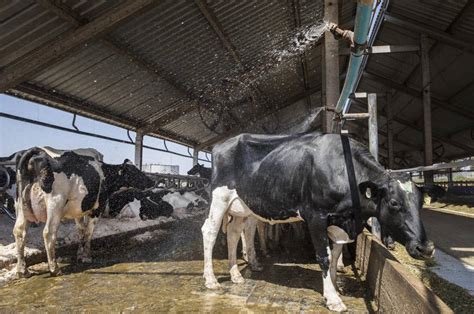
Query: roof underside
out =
(174, 68)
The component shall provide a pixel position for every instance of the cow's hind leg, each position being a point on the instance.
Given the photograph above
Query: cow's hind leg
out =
(19, 231)
(81, 230)
(249, 234)
(262, 237)
(233, 235)
(84, 253)
(49, 235)
(317, 225)
(210, 228)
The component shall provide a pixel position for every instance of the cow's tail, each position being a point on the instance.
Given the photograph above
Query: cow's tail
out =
(225, 221)
(29, 169)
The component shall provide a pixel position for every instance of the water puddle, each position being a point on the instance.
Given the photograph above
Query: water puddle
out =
(166, 274)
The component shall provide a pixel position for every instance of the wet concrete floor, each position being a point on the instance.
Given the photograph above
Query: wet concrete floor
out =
(165, 274)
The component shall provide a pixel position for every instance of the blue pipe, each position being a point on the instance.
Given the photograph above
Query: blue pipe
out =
(361, 31)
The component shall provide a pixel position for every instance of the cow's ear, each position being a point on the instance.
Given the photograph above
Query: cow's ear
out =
(369, 189)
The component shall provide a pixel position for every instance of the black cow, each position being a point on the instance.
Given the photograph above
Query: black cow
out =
(304, 177)
(150, 204)
(69, 186)
(203, 172)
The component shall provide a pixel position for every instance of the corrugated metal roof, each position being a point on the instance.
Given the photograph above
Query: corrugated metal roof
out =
(152, 69)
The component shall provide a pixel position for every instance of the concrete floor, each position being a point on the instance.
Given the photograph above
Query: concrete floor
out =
(451, 233)
(164, 273)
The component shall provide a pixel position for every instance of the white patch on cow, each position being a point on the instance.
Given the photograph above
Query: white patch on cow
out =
(73, 190)
(98, 168)
(88, 152)
(338, 235)
(182, 201)
(131, 210)
(406, 186)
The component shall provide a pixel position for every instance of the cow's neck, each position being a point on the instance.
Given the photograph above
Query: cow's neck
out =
(111, 174)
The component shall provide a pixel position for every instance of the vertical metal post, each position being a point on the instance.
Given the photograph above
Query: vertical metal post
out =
(373, 129)
(389, 115)
(195, 156)
(139, 150)
(450, 178)
(330, 90)
(374, 148)
(426, 84)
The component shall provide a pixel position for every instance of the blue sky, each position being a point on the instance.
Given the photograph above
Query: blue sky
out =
(16, 135)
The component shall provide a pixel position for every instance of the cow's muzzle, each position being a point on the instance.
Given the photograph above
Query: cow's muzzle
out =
(420, 250)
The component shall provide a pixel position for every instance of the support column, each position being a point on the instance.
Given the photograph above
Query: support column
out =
(195, 156)
(374, 148)
(330, 90)
(450, 178)
(139, 150)
(373, 128)
(389, 115)
(426, 84)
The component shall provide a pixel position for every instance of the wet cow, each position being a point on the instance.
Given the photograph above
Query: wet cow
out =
(303, 177)
(132, 203)
(69, 186)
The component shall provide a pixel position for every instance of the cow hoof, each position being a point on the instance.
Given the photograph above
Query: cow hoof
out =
(23, 274)
(238, 279)
(55, 273)
(341, 269)
(256, 267)
(84, 260)
(337, 306)
(212, 284)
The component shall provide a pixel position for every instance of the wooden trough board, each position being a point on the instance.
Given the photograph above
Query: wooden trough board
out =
(393, 288)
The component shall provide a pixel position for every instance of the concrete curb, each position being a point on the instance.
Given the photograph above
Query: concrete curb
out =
(452, 212)
(102, 242)
(392, 286)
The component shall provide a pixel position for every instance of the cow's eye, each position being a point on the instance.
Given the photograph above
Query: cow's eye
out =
(393, 203)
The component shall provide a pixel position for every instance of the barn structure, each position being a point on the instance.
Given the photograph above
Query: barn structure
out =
(395, 74)
(197, 72)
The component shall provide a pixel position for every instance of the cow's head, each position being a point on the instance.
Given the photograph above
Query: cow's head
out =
(398, 203)
(131, 176)
(195, 169)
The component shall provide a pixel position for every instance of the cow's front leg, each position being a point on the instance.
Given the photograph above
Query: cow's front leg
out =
(19, 231)
(210, 228)
(249, 233)
(234, 230)
(317, 225)
(49, 235)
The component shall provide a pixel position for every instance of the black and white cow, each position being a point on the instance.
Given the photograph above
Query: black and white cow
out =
(139, 203)
(200, 170)
(70, 186)
(303, 177)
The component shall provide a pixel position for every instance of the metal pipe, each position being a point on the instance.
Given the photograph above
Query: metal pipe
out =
(427, 131)
(139, 150)
(355, 116)
(57, 127)
(361, 30)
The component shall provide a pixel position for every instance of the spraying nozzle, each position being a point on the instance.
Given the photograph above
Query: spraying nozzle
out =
(339, 33)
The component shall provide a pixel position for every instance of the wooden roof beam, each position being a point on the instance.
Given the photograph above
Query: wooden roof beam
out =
(415, 93)
(432, 33)
(436, 136)
(218, 29)
(74, 19)
(55, 50)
